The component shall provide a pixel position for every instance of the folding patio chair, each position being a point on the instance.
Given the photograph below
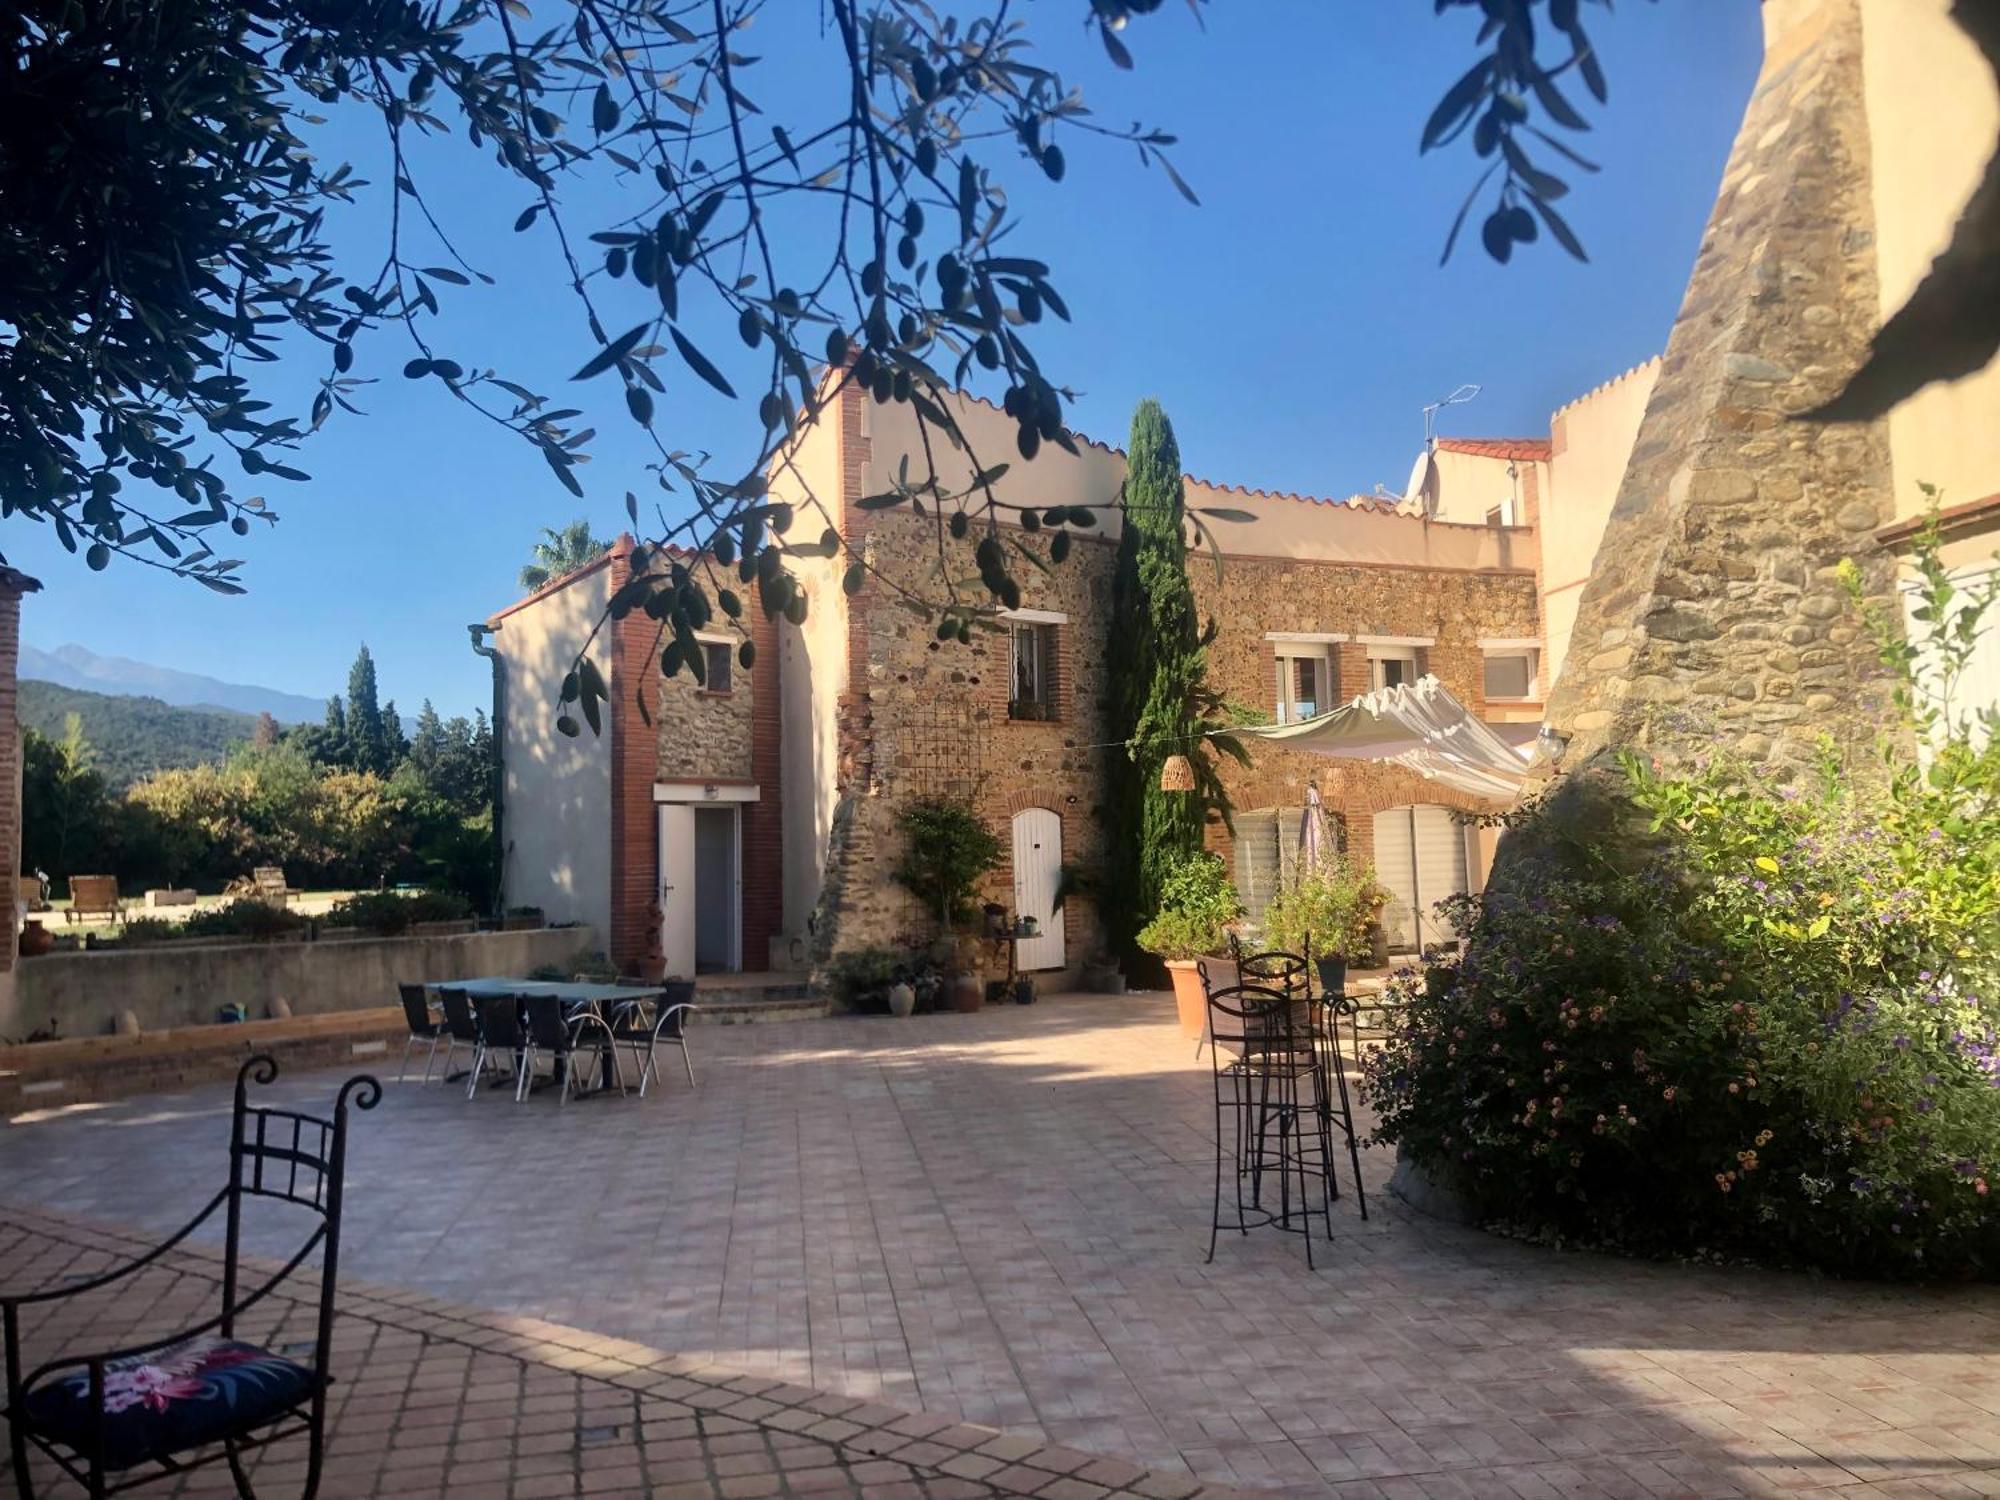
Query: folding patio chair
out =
(424, 1027)
(643, 1025)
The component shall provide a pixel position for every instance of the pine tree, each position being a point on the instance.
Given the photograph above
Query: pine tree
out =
(368, 745)
(266, 733)
(1160, 703)
(427, 744)
(395, 744)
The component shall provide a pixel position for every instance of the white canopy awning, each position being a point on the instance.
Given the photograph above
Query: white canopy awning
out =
(1421, 726)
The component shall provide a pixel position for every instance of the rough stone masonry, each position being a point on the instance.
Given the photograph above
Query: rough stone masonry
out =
(1714, 617)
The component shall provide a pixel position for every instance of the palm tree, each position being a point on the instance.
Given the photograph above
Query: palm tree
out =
(559, 552)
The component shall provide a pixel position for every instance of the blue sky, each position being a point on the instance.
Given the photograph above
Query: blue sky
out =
(1294, 325)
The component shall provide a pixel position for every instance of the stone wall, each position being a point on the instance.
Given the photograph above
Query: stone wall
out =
(1713, 616)
(1256, 596)
(172, 985)
(925, 718)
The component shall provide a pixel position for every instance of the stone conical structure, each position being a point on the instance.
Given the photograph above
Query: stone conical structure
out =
(1713, 617)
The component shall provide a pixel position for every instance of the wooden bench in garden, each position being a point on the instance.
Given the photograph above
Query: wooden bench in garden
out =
(30, 894)
(92, 896)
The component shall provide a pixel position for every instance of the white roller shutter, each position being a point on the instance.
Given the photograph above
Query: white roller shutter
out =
(1420, 858)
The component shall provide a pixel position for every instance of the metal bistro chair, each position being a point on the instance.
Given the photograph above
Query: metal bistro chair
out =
(460, 1025)
(1272, 1083)
(424, 1027)
(154, 1406)
(1335, 1007)
(501, 1035)
(565, 1038)
(645, 1024)
(1323, 1013)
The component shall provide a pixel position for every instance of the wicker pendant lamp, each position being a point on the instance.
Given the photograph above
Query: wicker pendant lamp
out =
(1177, 774)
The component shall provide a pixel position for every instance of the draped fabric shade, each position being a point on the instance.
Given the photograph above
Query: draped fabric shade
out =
(1422, 726)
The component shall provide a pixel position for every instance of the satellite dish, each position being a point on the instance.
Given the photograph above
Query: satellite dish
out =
(1420, 495)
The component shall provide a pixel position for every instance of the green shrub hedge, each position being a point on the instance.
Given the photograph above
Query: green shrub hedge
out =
(391, 913)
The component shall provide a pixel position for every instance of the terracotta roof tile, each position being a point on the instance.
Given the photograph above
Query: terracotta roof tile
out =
(1536, 449)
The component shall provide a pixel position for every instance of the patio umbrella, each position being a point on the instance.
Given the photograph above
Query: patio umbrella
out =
(1315, 848)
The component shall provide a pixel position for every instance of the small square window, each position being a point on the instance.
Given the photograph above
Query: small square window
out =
(1510, 674)
(718, 663)
(1392, 671)
(1302, 687)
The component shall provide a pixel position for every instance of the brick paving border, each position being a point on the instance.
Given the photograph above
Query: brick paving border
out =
(439, 1398)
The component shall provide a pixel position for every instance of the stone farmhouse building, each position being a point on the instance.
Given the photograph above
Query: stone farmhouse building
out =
(1667, 547)
(753, 823)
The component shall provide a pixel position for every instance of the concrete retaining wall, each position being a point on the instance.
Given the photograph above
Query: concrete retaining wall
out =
(168, 986)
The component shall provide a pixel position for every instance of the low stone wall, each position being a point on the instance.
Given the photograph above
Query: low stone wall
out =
(92, 1070)
(170, 985)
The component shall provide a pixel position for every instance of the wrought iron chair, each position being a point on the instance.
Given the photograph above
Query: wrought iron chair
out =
(1273, 1081)
(1335, 1007)
(565, 1037)
(645, 1024)
(1322, 1013)
(424, 1027)
(199, 1396)
(460, 1025)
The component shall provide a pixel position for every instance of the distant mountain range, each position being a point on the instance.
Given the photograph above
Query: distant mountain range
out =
(76, 666)
(130, 738)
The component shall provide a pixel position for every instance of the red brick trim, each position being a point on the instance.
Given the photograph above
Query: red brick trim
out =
(633, 941)
(1018, 802)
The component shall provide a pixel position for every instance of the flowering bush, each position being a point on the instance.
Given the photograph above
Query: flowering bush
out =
(1708, 1010)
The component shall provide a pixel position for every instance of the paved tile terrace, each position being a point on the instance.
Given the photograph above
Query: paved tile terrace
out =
(999, 1220)
(435, 1399)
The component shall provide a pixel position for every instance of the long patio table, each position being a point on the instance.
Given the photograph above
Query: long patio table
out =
(574, 996)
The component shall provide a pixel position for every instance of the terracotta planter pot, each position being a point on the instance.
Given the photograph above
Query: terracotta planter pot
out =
(35, 939)
(1190, 999)
(966, 993)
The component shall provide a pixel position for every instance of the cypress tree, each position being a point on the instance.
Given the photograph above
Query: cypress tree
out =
(1159, 701)
(364, 716)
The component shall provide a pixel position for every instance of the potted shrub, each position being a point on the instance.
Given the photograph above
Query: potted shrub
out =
(1326, 915)
(859, 980)
(947, 851)
(1197, 905)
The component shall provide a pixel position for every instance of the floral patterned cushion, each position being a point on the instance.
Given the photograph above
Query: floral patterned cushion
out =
(170, 1400)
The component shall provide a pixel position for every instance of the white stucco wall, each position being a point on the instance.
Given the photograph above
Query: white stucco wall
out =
(812, 676)
(1933, 114)
(556, 791)
(1471, 484)
(1592, 440)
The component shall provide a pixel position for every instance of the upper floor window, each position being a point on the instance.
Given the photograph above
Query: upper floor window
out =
(1394, 660)
(1307, 683)
(1033, 664)
(718, 662)
(1392, 667)
(1303, 688)
(1511, 669)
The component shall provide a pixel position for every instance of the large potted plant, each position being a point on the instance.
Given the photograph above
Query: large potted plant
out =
(1327, 913)
(947, 851)
(1197, 906)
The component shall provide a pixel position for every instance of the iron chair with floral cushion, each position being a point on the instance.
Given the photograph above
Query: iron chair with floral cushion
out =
(199, 1396)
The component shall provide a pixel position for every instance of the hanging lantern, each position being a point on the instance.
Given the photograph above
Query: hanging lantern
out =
(1177, 774)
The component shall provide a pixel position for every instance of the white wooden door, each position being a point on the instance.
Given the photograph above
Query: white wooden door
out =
(1420, 858)
(1037, 868)
(678, 907)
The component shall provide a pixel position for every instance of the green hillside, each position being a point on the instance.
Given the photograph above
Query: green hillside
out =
(134, 736)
